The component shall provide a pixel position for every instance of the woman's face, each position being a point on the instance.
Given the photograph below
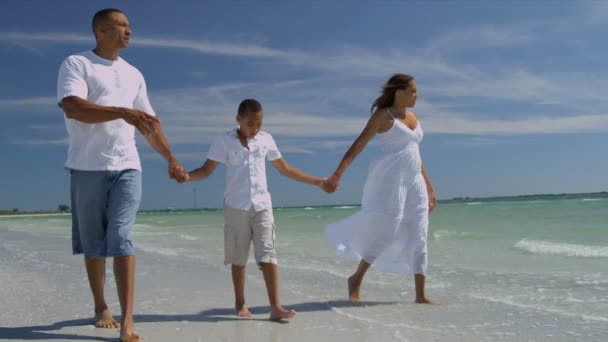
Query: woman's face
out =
(409, 95)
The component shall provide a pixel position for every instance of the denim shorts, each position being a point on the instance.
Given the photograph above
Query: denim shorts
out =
(104, 206)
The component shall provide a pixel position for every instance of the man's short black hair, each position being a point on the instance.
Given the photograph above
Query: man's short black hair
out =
(249, 106)
(103, 14)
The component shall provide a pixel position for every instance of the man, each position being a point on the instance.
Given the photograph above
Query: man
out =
(105, 99)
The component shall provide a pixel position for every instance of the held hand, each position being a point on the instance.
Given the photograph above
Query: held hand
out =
(177, 172)
(331, 183)
(145, 123)
(432, 201)
(322, 185)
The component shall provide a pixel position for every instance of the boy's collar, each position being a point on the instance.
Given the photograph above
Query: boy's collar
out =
(235, 133)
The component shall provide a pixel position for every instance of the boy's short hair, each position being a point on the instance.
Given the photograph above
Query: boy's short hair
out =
(249, 106)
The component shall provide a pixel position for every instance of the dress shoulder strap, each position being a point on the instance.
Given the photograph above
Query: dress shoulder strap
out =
(390, 113)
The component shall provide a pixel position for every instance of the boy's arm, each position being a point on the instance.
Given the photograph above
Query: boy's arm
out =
(289, 171)
(202, 172)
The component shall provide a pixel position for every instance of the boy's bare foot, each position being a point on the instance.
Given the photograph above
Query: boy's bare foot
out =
(353, 289)
(242, 311)
(104, 319)
(126, 332)
(280, 313)
(425, 300)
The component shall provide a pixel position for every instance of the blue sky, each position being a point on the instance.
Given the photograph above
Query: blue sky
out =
(513, 94)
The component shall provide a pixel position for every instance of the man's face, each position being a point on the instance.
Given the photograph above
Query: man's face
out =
(115, 32)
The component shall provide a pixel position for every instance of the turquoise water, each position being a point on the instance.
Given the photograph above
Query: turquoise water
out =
(516, 267)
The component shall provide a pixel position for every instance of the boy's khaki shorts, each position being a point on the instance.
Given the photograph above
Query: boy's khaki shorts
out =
(243, 226)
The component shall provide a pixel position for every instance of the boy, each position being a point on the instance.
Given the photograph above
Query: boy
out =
(247, 205)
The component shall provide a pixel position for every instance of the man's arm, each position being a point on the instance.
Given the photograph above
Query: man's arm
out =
(157, 140)
(88, 112)
(289, 171)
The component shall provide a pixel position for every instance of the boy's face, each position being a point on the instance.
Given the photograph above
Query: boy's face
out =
(250, 124)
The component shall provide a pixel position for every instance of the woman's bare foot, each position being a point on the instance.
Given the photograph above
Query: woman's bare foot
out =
(104, 319)
(126, 332)
(354, 287)
(242, 311)
(425, 300)
(280, 313)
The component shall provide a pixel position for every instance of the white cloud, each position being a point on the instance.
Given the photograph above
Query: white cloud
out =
(316, 108)
(36, 101)
(346, 59)
(474, 38)
(546, 124)
(42, 142)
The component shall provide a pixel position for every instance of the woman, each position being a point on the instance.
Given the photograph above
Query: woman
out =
(390, 230)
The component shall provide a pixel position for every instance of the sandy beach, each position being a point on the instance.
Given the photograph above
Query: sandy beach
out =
(46, 296)
(494, 283)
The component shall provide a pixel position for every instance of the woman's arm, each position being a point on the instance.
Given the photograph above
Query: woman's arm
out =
(429, 190)
(373, 126)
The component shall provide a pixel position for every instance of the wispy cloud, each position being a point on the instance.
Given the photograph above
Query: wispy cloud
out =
(35, 101)
(344, 59)
(42, 142)
(333, 105)
(545, 124)
(475, 38)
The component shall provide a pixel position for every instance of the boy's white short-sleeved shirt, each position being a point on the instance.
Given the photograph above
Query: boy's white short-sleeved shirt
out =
(246, 168)
(106, 146)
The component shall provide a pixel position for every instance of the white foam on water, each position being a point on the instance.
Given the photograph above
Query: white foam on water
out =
(308, 208)
(144, 233)
(142, 226)
(296, 215)
(562, 249)
(591, 199)
(447, 234)
(509, 301)
(345, 207)
(157, 250)
(474, 203)
(325, 269)
(381, 323)
(188, 237)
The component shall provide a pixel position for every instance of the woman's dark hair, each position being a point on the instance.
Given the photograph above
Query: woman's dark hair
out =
(249, 106)
(396, 82)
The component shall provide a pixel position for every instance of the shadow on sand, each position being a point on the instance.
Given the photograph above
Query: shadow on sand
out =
(44, 332)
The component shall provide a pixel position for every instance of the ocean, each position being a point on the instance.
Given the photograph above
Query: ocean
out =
(506, 270)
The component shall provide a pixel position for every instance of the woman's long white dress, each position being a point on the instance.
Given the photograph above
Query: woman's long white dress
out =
(390, 230)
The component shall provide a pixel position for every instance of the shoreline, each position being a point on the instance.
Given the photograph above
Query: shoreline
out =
(457, 200)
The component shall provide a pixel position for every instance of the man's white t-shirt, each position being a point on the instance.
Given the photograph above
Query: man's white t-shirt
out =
(246, 168)
(107, 146)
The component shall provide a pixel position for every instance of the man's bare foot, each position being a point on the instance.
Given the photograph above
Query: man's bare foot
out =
(242, 311)
(425, 300)
(126, 332)
(133, 337)
(280, 313)
(353, 289)
(104, 319)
